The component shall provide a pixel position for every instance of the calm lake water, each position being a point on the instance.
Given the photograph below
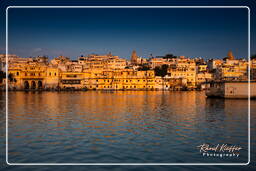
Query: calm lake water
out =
(121, 127)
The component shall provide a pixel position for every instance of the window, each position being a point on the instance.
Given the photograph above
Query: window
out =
(17, 73)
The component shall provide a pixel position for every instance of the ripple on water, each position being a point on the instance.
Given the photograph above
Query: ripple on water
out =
(121, 126)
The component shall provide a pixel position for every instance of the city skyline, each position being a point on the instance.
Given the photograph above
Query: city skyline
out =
(129, 58)
(182, 32)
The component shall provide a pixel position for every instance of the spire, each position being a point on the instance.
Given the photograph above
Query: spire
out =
(109, 54)
(230, 55)
(134, 57)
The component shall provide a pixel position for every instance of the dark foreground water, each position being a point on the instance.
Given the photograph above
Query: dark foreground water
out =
(121, 127)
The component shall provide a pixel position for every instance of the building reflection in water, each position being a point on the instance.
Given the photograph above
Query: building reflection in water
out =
(109, 111)
(95, 121)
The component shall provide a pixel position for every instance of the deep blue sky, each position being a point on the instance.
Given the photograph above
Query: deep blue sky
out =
(208, 33)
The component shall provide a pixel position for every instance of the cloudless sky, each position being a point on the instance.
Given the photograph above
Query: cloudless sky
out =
(207, 33)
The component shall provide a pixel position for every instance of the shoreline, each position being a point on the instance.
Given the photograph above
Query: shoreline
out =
(110, 90)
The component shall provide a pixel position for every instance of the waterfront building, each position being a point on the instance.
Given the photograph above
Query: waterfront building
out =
(184, 69)
(212, 64)
(232, 89)
(27, 76)
(229, 68)
(52, 79)
(109, 72)
(71, 80)
(203, 79)
(253, 69)
(232, 70)
(160, 83)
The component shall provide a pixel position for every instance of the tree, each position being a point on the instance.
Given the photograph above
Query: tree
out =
(2, 76)
(169, 56)
(11, 78)
(161, 71)
(253, 56)
(144, 68)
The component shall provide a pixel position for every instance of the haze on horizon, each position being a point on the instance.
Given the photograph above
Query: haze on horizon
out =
(206, 33)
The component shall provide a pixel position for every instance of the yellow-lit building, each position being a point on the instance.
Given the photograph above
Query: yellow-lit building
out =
(202, 68)
(46, 77)
(232, 69)
(109, 72)
(253, 69)
(126, 79)
(28, 76)
(184, 69)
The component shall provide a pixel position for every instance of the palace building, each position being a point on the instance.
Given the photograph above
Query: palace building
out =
(109, 72)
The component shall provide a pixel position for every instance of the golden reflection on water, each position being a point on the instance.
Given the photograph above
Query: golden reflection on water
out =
(97, 121)
(120, 106)
(108, 110)
(103, 105)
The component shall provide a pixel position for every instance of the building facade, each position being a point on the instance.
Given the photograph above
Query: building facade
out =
(109, 72)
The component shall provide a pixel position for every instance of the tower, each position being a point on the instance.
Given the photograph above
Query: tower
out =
(109, 54)
(230, 55)
(134, 57)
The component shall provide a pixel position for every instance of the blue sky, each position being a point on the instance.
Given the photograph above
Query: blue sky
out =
(207, 33)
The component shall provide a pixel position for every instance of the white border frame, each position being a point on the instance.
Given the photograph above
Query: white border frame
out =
(249, 110)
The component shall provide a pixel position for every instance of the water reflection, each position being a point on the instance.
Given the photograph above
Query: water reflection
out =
(122, 126)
